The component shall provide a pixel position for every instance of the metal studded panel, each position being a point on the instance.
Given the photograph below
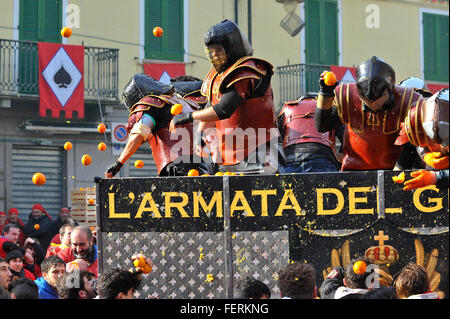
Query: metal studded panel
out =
(192, 264)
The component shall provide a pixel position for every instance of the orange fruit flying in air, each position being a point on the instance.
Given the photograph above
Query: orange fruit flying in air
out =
(329, 78)
(140, 262)
(39, 179)
(193, 172)
(36, 226)
(66, 32)
(86, 160)
(101, 146)
(139, 164)
(67, 146)
(101, 128)
(157, 31)
(176, 109)
(359, 267)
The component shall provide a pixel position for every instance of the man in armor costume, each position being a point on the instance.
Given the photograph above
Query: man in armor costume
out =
(412, 156)
(427, 126)
(306, 149)
(149, 103)
(372, 109)
(245, 136)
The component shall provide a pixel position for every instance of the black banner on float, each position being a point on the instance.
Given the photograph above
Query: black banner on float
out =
(330, 217)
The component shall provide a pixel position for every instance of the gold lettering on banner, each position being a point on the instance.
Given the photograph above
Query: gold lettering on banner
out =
(427, 209)
(289, 195)
(179, 205)
(239, 197)
(112, 208)
(353, 200)
(143, 207)
(340, 201)
(264, 193)
(215, 200)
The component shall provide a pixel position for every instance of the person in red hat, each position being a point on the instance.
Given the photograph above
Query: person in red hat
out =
(39, 226)
(13, 218)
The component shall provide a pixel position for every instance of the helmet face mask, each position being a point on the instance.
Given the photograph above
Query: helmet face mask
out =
(217, 56)
(375, 81)
(233, 42)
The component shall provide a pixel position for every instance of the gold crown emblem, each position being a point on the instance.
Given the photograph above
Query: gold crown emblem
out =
(381, 254)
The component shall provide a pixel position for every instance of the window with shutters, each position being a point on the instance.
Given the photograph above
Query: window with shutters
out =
(321, 32)
(167, 14)
(321, 40)
(38, 21)
(435, 30)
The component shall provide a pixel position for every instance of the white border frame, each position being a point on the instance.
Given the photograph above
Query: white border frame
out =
(302, 33)
(422, 58)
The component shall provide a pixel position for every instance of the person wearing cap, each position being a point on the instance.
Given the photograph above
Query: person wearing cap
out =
(65, 217)
(372, 110)
(39, 226)
(15, 259)
(13, 217)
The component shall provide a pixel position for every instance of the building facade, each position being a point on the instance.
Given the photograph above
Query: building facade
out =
(300, 38)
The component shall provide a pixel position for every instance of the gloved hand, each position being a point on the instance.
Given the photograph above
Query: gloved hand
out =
(326, 90)
(421, 178)
(436, 160)
(181, 119)
(113, 169)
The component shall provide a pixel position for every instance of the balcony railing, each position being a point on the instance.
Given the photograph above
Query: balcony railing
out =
(298, 79)
(19, 70)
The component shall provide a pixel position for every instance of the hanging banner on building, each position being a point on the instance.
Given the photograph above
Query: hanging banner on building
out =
(61, 84)
(163, 72)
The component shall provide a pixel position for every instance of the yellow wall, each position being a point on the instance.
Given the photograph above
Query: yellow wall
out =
(6, 19)
(397, 40)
